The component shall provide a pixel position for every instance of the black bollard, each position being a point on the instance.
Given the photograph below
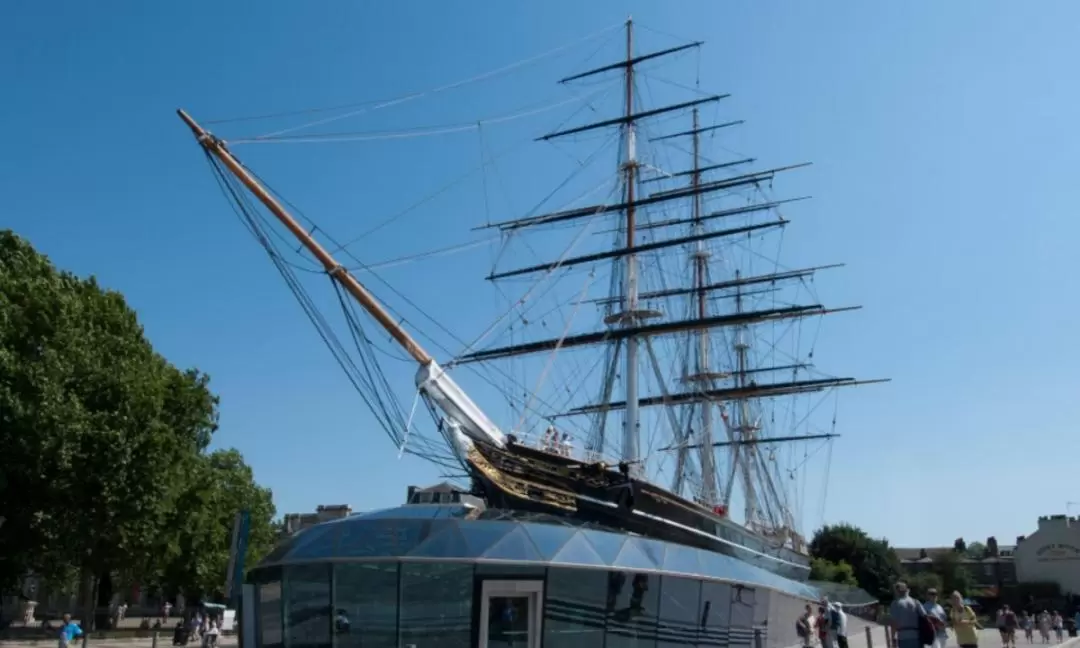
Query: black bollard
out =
(154, 644)
(870, 637)
(85, 637)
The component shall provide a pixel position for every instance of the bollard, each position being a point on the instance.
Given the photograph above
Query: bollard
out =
(889, 639)
(870, 637)
(758, 639)
(85, 637)
(154, 643)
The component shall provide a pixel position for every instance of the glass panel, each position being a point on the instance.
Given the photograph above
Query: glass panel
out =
(715, 614)
(505, 571)
(372, 538)
(607, 545)
(681, 559)
(631, 557)
(654, 549)
(436, 605)
(578, 551)
(482, 535)
(574, 609)
(549, 538)
(678, 620)
(270, 615)
(508, 622)
(307, 606)
(366, 601)
(445, 541)
(316, 542)
(741, 623)
(633, 602)
(516, 545)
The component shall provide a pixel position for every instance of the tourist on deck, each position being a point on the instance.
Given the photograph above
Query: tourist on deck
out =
(964, 622)
(566, 448)
(904, 613)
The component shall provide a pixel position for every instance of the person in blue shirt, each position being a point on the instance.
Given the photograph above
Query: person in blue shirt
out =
(69, 631)
(937, 617)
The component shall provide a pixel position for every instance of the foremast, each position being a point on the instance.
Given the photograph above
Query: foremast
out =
(465, 419)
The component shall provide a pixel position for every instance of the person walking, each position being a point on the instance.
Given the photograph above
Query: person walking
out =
(937, 617)
(964, 622)
(69, 630)
(841, 625)
(904, 614)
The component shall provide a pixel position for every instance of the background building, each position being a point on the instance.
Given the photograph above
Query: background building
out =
(988, 574)
(1051, 554)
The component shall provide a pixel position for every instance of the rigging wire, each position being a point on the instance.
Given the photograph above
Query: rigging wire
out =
(367, 107)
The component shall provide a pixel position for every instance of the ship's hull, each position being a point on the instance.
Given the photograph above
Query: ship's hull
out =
(524, 478)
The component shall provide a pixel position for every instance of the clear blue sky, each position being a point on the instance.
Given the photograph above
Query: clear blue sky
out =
(945, 146)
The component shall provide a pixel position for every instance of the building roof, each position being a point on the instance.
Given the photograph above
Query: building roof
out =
(426, 532)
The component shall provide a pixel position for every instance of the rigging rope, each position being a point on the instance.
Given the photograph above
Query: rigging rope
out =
(368, 107)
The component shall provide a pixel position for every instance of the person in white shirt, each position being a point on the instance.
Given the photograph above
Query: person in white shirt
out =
(937, 616)
(841, 625)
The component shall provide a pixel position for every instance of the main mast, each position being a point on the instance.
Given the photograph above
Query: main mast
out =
(630, 425)
(701, 259)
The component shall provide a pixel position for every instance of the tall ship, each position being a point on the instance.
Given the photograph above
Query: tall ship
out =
(666, 425)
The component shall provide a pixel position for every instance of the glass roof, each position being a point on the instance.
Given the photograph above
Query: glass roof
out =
(443, 531)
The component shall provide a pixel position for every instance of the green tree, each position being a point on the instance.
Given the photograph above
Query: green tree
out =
(98, 430)
(921, 583)
(875, 564)
(976, 551)
(954, 575)
(841, 572)
(197, 557)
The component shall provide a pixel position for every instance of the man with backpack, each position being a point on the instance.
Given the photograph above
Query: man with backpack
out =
(911, 627)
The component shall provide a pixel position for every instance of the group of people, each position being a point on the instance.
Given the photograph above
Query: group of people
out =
(551, 442)
(907, 617)
(1045, 621)
(828, 626)
(204, 627)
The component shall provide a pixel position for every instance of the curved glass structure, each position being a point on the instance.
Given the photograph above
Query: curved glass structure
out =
(448, 576)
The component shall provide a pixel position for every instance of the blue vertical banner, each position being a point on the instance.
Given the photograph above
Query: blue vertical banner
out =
(237, 553)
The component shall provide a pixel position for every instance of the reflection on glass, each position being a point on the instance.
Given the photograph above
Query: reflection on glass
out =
(714, 614)
(677, 624)
(632, 607)
(574, 608)
(365, 600)
(741, 632)
(307, 606)
(270, 615)
(436, 605)
(508, 622)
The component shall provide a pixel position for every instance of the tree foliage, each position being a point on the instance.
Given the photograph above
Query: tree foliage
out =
(874, 563)
(954, 576)
(977, 551)
(103, 439)
(824, 570)
(921, 583)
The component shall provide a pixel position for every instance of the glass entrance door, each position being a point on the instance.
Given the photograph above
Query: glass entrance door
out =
(510, 614)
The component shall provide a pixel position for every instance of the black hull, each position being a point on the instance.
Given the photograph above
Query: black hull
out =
(522, 478)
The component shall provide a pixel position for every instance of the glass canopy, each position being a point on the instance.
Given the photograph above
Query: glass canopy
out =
(459, 533)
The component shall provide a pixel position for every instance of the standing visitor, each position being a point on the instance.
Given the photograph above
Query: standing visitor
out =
(1011, 624)
(840, 629)
(904, 614)
(937, 617)
(965, 623)
(804, 627)
(1058, 624)
(1044, 626)
(822, 625)
(1027, 622)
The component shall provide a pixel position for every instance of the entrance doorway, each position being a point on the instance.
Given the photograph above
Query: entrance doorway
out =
(510, 613)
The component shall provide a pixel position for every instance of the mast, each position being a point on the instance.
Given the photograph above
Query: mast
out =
(701, 256)
(217, 148)
(464, 418)
(630, 421)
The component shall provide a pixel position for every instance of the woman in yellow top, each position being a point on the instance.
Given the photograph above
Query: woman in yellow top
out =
(964, 622)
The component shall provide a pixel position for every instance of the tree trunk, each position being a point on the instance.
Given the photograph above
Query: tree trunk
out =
(102, 618)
